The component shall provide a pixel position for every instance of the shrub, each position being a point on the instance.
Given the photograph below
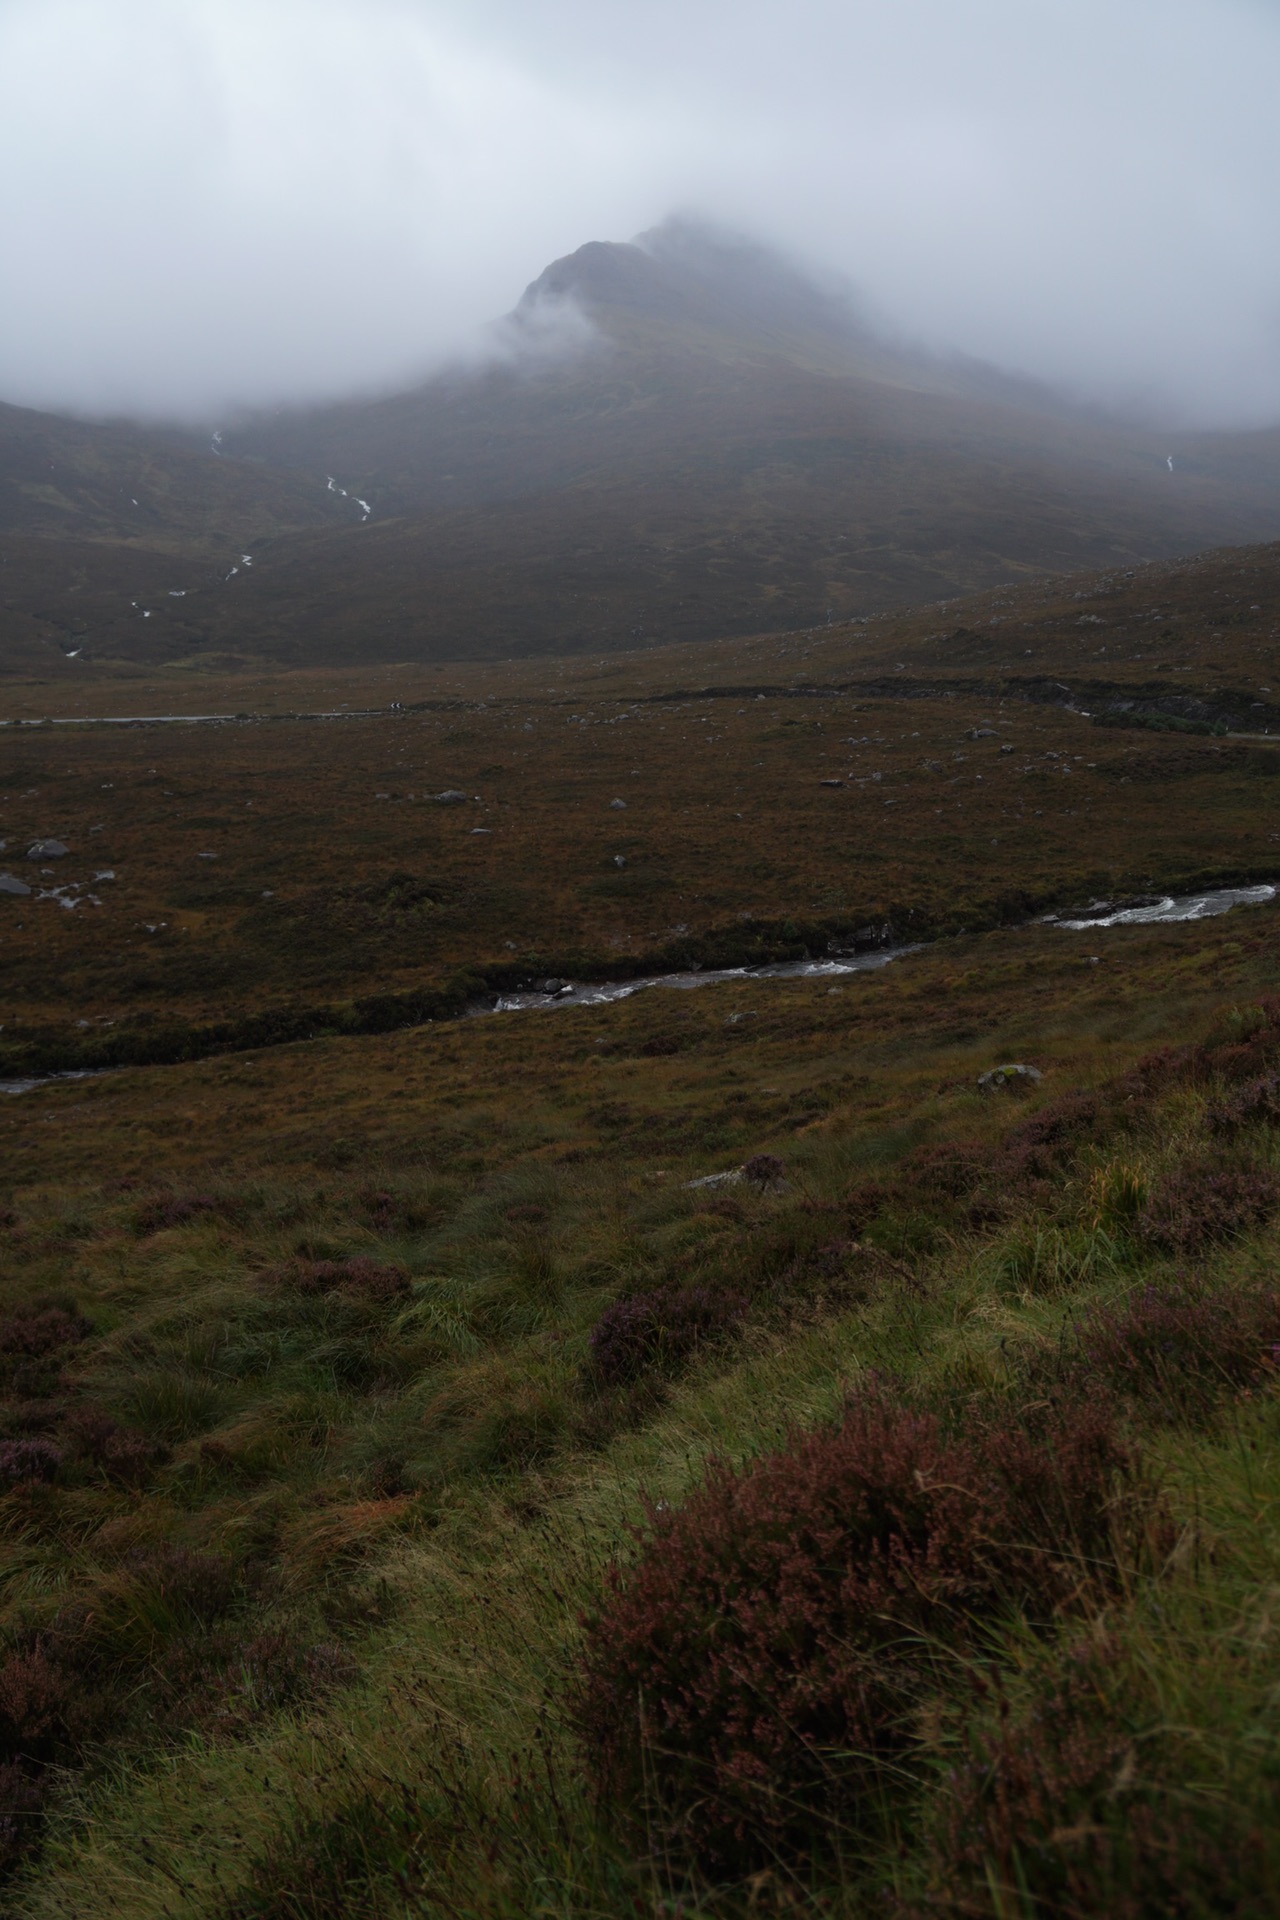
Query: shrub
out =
(122, 1453)
(660, 1331)
(1201, 1204)
(245, 1680)
(28, 1460)
(1060, 1812)
(171, 1210)
(38, 1331)
(136, 1613)
(1178, 1345)
(1256, 1102)
(751, 1684)
(1044, 1144)
(370, 1279)
(767, 1171)
(952, 1170)
(36, 1696)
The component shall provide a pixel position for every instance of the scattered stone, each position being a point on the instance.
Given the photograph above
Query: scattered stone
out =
(451, 797)
(730, 1179)
(619, 860)
(619, 806)
(206, 856)
(736, 1019)
(982, 733)
(47, 850)
(9, 883)
(1009, 1075)
(1006, 748)
(831, 783)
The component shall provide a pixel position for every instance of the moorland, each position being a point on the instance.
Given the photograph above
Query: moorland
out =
(677, 440)
(708, 1453)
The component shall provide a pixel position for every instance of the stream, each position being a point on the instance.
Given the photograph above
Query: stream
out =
(1147, 911)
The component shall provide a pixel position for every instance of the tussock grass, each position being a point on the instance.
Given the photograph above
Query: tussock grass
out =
(411, 1497)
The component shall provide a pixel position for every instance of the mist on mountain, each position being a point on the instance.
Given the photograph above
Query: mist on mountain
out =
(225, 203)
(679, 438)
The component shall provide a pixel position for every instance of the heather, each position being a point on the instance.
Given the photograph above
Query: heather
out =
(421, 1493)
(753, 1688)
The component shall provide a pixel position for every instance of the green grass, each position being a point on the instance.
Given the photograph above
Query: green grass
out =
(402, 1506)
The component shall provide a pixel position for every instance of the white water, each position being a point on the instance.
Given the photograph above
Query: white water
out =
(602, 993)
(1193, 906)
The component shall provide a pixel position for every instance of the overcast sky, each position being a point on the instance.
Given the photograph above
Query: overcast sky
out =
(217, 201)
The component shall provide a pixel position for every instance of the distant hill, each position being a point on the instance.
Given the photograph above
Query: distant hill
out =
(676, 439)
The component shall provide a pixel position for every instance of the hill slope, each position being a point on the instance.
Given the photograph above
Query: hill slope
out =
(677, 439)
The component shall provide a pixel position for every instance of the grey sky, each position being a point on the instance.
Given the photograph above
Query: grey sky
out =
(211, 201)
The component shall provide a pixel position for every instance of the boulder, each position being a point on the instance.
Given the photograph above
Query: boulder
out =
(1013, 1074)
(47, 850)
(9, 883)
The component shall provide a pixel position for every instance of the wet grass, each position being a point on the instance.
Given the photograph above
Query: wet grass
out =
(338, 1377)
(324, 1323)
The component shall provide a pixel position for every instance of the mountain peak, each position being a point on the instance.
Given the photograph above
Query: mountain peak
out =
(687, 272)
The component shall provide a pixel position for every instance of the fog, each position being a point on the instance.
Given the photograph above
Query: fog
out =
(211, 203)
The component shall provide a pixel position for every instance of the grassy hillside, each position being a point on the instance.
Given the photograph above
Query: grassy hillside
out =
(708, 1453)
(326, 1425)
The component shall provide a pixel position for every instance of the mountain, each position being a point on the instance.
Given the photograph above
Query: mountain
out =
(675, 439)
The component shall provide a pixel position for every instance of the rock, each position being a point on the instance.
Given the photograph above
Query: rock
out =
(619, 806)
(982, 733)
(1006, 748)
(9, 883)
(47, 850)
(831, 783)
(451, 797)
(619, 860)
(553, 985)
(1009, 1075)
(729, 1179)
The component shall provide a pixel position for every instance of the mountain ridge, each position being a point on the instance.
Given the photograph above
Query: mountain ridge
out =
(711, 443)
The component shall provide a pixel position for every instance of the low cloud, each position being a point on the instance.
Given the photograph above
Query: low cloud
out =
(220, 202)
